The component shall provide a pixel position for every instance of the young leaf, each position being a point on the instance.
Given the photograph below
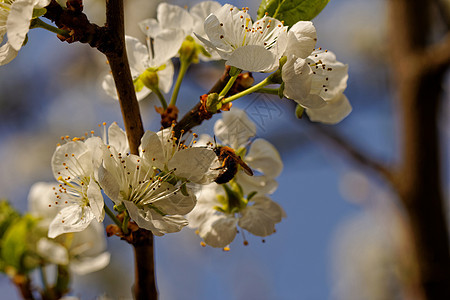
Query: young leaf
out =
(291, 11)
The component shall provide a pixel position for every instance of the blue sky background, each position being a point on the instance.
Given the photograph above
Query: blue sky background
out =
(53, 89)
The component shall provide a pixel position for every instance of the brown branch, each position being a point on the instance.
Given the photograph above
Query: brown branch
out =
(23, 284)
(436, 57)
(419, 178)
(196, 115)
(355, 154)
(145, 286)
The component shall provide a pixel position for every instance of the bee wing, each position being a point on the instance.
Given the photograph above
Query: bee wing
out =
(246, 168)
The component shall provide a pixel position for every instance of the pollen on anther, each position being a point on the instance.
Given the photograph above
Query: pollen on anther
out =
(221, 36)
(245, 243)
(226, 249)
(202, 243)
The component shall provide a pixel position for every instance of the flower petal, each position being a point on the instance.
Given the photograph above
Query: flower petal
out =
(165, 77)
(302, 39)
(18, 22)
(195, 164)
(260, 218)
(218, 231)
(332, 113)
(96, 203)
(7, 54)
(149, 219)
(72, 218)
(152, 149)
(85, 265)
(235, 128)
(52, 251)
(118, 138)
(72, 157)
(173, 16)
(253, 58)
(175, 203)
(264, 157)
(297, 77)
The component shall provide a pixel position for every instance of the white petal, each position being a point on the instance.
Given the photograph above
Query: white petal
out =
(166, 45)
(302, 39)
(42, 195)
(52, 251)
(18, 22)
(330, 78)
(109, 182)
(235, 128)
(149, 219)
(176, 203)
(152, 149)
(150, 27)
(332, 113)
(253, 58)
(41, 3)
(109, 86)
(165, 77)
(173, 16)
(118, 138)
(71, 218)
(260, 218)
(72, 157)
(218, 231)
(200, 12)
(96, 203)
(7, 54)
(85, 265)
(257, 183)
(137, 55)
(297, 77)
(264, 157)
(195, 164)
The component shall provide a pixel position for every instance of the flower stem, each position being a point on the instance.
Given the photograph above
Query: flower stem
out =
(234, 72)
(160, 97)
(183, 68)
(250, 90)
(112, 216)
(43, 275)
(38, 23)
(126, 219)
(268, 91)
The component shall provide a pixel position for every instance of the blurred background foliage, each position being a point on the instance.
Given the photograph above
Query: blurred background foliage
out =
(343, 233)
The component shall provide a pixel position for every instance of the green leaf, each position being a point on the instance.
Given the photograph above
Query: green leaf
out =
(292, 11)
(37, 12)
(7, 216)
(17, 242)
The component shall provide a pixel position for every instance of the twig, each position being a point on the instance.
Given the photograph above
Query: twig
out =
(356, 154)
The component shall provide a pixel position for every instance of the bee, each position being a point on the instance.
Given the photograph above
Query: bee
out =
(230, 163)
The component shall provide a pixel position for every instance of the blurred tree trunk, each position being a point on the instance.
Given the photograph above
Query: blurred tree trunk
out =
(419, 70)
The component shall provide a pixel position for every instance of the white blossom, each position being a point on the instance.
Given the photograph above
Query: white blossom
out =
(235, 129)
(83, 251)
(176, 18)
(218, 218)
(75, 165)
(150, 64)
(249, 46)
(15, 18)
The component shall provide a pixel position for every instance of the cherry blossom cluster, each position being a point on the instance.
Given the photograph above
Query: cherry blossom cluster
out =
(150, 188)
(244, 201)
(313, 78)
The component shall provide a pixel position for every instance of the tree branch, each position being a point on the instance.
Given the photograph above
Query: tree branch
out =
(355, 154)
(145, 286)
(419, 178)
